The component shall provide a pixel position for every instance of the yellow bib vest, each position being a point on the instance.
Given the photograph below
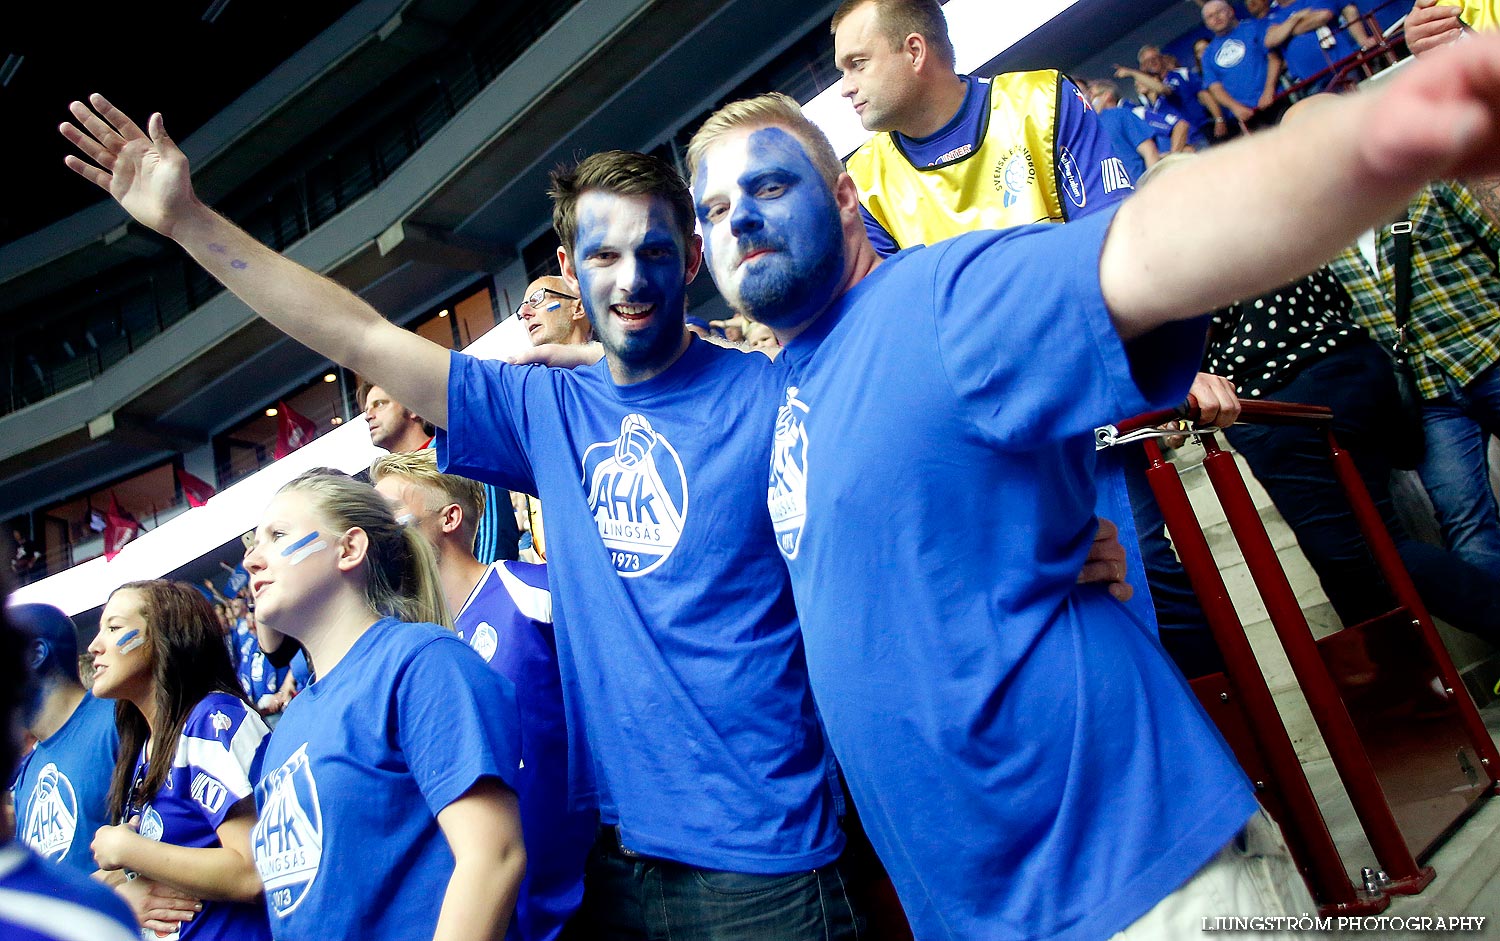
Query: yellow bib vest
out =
(1009, 180)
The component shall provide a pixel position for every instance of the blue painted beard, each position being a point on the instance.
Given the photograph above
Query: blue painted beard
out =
(786, 210)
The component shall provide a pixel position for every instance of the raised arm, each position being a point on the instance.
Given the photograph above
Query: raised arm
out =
(1363, 155)
(1303, 21)
(148, 175)
(1144, 79)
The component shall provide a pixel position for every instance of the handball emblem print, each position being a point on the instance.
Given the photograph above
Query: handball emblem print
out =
(287, 841)
(638, 495)
(787, 494)
(51, 814)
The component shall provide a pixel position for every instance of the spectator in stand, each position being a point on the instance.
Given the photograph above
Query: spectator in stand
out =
(504, 611)
(402, 754)
(60, 789)
(189, 739)
(1318, 41)
(1453, 333)
(552, 314)
(393, 426)
(1200, 46)
(1239, 67)
(1176, 88)
(1299, 343)
(268, 686)
(1172, 132)
(1021, 147)
(27, 563)
(398, 429)
(758, 336)
(40, 901)
(1131, 137)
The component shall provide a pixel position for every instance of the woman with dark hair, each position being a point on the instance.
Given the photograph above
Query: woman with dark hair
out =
(180, 794)
(387, 808)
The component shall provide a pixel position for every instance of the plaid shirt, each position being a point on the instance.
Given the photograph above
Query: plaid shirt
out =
(1454, 325)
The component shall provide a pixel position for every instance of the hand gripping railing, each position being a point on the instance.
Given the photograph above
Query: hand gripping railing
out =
(1293, 801)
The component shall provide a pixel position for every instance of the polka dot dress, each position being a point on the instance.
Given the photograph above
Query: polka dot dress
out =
(1260, 344)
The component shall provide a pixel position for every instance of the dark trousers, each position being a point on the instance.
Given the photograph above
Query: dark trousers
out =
(638, 898)
(1180, 621)
(1292, 464)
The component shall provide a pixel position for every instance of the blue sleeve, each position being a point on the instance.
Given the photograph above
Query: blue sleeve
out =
(1137, 131)
(882, 240)
(486, 418)
(457, 722)
(220, 746)
(1081, 140)
(1028, 344)
(1278, 15)
(1182, 88)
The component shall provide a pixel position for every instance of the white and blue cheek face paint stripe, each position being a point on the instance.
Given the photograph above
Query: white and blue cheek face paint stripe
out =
(297, 552)
(554, 305)
(131, 641)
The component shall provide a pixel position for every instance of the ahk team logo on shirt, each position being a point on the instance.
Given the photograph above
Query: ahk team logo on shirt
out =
(638, 495)
(152, 827)
(787, 494)
(287, 841)
(485, 641)
(1230, 54)
(51, 814)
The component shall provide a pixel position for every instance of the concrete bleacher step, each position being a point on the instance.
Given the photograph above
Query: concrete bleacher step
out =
(1468, 865)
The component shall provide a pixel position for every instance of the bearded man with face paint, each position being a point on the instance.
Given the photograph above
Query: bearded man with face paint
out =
(681, 657)
(1025, 759)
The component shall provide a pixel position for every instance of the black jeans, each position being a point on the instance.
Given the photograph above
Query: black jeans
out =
(638, 898)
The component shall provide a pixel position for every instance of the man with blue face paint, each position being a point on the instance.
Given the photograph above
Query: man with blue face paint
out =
(681, 658)
(1025, 759)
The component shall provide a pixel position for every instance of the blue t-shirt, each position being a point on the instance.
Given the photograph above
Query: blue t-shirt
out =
(1162, 117)
(41, 902)
(1126, 133)
(1305, 54)
(507, 619)
(1026, 760)
(61, 789)
(1077, 131)
(347, 841)
(1182, 93)
(679, 646)
(1238, 61)
(212, 770)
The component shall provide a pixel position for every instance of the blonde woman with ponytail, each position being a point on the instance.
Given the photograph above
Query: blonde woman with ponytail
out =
(385, 802)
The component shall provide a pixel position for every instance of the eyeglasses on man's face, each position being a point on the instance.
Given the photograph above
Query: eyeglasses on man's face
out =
(539, 297)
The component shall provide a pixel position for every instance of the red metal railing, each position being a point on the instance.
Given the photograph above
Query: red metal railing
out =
(1254, 726)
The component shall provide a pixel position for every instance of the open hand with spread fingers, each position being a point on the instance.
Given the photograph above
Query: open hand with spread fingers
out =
(144, 171)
